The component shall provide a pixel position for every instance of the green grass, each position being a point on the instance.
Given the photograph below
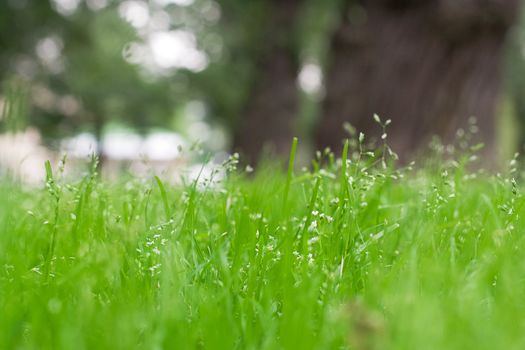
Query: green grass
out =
(348, 255)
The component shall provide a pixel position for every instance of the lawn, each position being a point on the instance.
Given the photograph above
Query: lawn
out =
(345, 254)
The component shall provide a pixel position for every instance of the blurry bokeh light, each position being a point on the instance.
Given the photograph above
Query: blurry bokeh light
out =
(311, 78)
(177, 49)
(66, 7)
(49, 51)
(135, 12)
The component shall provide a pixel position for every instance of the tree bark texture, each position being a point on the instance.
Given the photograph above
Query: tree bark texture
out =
(428, 65)
(267, 122)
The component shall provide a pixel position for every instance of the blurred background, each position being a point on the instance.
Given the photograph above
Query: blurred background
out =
(142, 82)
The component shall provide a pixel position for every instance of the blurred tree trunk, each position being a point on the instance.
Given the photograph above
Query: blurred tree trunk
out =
(268, 118)
(428, 65)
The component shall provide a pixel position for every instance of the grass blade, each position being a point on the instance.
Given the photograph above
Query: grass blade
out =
(164, 197)
(291, 162)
